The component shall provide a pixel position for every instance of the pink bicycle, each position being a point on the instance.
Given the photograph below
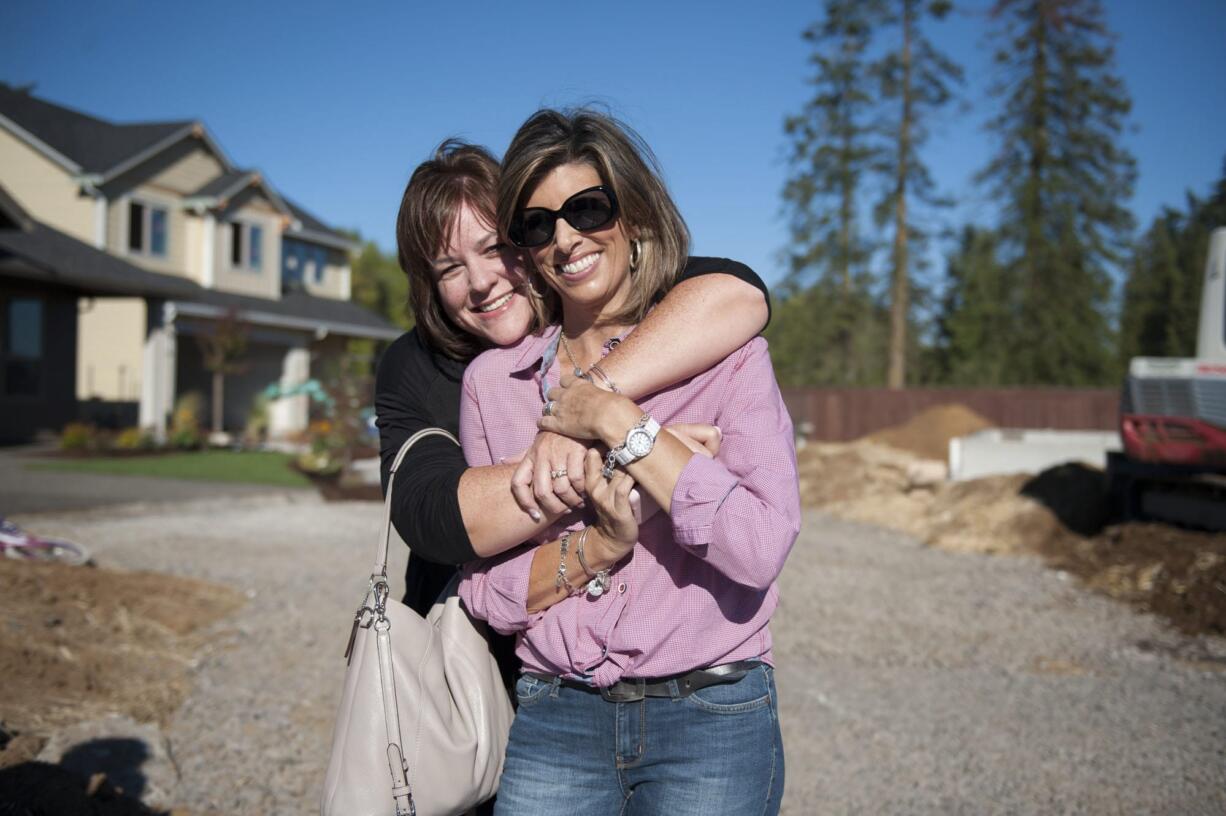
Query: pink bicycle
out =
(17, 543)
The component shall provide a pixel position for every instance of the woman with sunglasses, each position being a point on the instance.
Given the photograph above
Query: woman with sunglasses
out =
(467, 292)
(647, 685)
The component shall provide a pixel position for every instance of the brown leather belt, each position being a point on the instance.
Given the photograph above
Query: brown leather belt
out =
(630, 690)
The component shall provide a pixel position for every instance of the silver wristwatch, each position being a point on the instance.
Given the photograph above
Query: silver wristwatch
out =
(638, 443)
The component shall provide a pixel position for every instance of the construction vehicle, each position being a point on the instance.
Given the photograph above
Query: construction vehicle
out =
(1173, 422)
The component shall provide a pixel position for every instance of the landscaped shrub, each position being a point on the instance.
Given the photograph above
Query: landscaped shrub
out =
(78, 436)
(256, 430)
(134, 439)
(189, 412)
(187, 438)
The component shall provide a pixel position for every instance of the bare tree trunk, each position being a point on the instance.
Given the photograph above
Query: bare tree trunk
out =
(218, 400)
(900, 285)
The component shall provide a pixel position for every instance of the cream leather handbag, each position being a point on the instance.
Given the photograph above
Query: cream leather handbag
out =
(424, 716)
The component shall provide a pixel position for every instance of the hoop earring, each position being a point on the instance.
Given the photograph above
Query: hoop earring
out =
(636, 254)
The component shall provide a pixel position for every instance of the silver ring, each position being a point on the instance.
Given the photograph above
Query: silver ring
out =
(548, 409)
(557, 474)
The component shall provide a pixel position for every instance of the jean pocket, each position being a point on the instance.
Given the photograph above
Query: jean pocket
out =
(750, 693)
(529, 690)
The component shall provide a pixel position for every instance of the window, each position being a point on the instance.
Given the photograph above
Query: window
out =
(256, 247)
(321, 263)
(23, 347)
(246, 246)
(301, 262)
(147, 229)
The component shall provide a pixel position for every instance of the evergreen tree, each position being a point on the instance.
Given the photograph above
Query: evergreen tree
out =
(1161, 303)
(799, 325)
(916, 80)
(1063, 178)
(977, 314)
(379, 285)
(831, 152)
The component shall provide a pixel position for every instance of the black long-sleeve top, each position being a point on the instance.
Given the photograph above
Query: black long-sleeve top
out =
(417, 387)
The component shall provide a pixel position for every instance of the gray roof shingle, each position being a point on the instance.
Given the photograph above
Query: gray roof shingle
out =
(95, 145)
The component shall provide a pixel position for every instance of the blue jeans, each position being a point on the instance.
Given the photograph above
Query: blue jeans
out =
(716, 751)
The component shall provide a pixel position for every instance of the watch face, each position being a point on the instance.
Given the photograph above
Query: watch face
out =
(639, 443)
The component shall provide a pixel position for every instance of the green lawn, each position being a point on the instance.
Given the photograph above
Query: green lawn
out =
(206, 466)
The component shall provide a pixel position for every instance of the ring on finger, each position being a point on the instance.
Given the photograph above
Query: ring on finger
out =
(560, 473)
(548, 409)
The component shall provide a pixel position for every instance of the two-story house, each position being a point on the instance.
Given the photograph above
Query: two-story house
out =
(122, 243)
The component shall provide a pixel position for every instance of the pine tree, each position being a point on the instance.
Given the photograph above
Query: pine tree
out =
(1062, 178)
(1161, 303)
(831, 152)
(917, 80)
(977, 311)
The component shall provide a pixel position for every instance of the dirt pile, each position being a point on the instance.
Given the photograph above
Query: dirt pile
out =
(80, 642)
(1060, 515)
(927, 434)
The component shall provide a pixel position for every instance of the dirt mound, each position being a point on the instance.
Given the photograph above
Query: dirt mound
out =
(1061, 515)
(81, 642)
(1178, 574)
(927, 434)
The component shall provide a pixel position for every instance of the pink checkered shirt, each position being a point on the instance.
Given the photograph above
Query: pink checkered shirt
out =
(700, 587)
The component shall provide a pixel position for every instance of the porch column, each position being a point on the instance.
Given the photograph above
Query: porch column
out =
(288, 415)
(157, 394)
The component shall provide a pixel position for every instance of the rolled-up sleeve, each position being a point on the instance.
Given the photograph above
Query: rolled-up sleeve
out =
(496, 590)
(740, 512)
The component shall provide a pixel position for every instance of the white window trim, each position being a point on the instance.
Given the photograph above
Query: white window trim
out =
(150, 203)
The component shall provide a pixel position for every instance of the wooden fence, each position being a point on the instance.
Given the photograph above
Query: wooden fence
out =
(841, 414)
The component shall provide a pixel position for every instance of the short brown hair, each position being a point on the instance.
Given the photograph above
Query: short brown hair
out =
(458, 174)
(550, 139)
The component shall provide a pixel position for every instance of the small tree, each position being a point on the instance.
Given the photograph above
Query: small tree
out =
(223, 349)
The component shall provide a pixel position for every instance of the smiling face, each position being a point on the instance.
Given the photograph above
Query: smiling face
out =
(590, 270)
(480, 283)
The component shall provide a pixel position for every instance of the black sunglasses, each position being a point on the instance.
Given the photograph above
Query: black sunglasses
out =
(588, 209)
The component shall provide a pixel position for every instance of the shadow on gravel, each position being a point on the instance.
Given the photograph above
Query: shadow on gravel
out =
(43, 789)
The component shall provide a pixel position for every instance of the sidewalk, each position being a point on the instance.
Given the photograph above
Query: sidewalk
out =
(25, 489)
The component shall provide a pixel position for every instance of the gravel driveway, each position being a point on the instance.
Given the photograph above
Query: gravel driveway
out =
(911, 680)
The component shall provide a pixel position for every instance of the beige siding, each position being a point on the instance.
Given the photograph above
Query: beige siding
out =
(189, 173)
(264, 282)
(110, 341)
(44, 189)
(177, 245)
(334, 271)
(193, 242)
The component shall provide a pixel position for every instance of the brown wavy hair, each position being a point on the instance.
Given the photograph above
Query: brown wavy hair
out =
(550, 139)
(459, 174)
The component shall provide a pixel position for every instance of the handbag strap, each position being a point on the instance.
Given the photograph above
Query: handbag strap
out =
(385, 540)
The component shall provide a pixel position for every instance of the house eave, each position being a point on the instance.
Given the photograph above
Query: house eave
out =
(46, 150)
(317, 237)
(193, 309)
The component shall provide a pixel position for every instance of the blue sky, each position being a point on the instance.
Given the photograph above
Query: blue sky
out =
(337, 104)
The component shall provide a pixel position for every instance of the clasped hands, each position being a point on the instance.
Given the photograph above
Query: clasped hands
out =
(563, 465)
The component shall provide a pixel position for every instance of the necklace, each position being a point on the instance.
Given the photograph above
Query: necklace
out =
(566, 347)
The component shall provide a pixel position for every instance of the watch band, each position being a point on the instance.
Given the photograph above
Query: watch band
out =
(623, 454)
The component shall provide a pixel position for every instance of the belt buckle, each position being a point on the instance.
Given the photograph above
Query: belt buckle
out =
(625, 691)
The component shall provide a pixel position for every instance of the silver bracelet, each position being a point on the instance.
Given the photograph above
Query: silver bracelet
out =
(600, 579)
(604, 378)
(561, 581)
